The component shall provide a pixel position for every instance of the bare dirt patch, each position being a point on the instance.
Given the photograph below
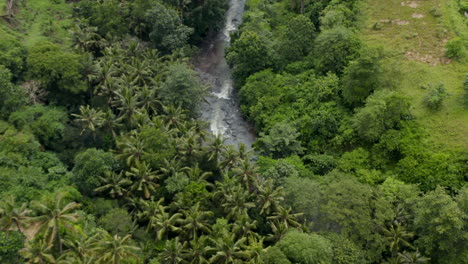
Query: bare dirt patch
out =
(412, 4)
(400, 22)
(426, 58)
(417, 15)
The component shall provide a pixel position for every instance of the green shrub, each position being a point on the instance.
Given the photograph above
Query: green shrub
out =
(465, 89)
(455, 49)
(436, 12)
(463, 5)
(435, 96)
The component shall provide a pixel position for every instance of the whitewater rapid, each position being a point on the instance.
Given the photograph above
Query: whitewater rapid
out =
(222, 107)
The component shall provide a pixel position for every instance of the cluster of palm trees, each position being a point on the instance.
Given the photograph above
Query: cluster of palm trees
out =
(44, 225)
(231, 190)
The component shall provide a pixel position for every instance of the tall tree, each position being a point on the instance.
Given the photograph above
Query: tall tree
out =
(55, 216)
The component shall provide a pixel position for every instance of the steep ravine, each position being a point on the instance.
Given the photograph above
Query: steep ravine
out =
(222, 107)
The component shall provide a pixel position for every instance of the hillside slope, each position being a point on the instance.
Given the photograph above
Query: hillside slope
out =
(417, 32)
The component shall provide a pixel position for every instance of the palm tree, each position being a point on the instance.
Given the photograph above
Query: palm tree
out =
(115, 249)
(114, 183)
(397, 236)
(80, 248)
(110, 122)
(172, 167)
(244, 154)
(230, 158)
(269, 198)
(412, 258)
(139, 70)
(54, 216)
(228, 250)
(245, 227)
(150, 208)
(132, 148)
(127, 103)
(175, 117)
(174, 252)
(135, 205)
(197, 175)
(164, 222)
(247, 173)
(144, 179)
(11, 217)
(237, 203)
(85, 38)
(256, 250)
(195, 221)
(216, 149)
(279, 231)
(189, 147)
(90, 119)
(285, 217)
(148, 99)
(197, 251)
(37, 252)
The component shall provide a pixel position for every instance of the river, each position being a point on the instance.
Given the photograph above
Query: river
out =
(222, 107)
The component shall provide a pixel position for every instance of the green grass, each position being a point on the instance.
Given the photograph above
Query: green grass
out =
(41, 20)
(419, 47)
(2, 7)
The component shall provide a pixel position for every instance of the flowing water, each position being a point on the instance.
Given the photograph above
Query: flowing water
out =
(222, 107)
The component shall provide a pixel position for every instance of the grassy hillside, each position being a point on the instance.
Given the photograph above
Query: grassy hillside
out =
(39, 20)
(417, 32)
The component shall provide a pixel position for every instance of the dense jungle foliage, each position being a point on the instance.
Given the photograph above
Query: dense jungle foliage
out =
(103, 158)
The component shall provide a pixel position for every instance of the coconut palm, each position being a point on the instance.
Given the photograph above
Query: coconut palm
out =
(150, 208)
(412, 258)
(127, 103)
(245, 227)
(80, 248)
(172, 167)
(196, 174)
(397, 236)
(269, 198)
(37, 252)
(144, 179)
(247, 174)
(175, 117)
(286, 217)
(216, 148)
(230, 158)
(131, 148)
(197, 251)
(148, 99)
(164, 222)
(53, 217)
(174, 252)
(85, 38)
(114, 183)
(136, 205)
(110, 122)
(90, 119)
(228, 249)
(115, 249)
(279, 231)
(237, 203)
(189, 147)
(11, 217)
(194, 221)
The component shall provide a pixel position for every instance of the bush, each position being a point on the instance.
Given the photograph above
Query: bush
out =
(89, 166)
(455, 48)
(435, 96)
(465, 89)
(436, 12)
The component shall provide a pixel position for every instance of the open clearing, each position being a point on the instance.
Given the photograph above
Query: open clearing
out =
(416, 33)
